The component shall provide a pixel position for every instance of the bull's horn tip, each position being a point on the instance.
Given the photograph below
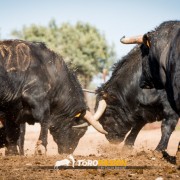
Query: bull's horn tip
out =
(122, 38)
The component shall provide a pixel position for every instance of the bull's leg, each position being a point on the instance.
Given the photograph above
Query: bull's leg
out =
(167, 127)
(173, 159)
(21, 138)
(12, 135)
(36, 98)
(3, 141)
(133, 134)
(42, 141)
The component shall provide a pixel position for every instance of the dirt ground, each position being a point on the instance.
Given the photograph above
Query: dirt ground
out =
(93, 146)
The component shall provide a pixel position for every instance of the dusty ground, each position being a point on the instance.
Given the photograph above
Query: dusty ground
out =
(93, 146)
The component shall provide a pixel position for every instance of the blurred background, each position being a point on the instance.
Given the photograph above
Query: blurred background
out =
(85, 33)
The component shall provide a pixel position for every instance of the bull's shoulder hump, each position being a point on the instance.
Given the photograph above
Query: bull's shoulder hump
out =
(17, 54)
(22, 43)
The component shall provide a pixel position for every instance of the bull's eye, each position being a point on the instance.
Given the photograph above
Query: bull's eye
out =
(78, 115)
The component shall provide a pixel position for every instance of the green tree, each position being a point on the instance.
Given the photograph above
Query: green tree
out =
(83, 47)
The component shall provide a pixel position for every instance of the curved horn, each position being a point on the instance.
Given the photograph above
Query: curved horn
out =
(81, 125)
(132, 40)
(90, 118)
(100, 110)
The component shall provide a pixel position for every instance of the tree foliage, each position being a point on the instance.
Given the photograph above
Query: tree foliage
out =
(82, 46)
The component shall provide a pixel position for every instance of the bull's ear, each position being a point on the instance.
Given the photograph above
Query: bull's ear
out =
(146, 40)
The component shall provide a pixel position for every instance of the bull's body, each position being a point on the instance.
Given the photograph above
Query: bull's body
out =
(161, 62)
(129, 107)
(173, 72)
(37, 86)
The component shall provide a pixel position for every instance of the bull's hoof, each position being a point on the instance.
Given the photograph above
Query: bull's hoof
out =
(11, 151)
(167, 157)
(40, 149)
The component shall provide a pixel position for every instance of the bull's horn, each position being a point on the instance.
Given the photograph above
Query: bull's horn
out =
(132, 40)
(81, 125)
(89, 91)
(90, 118)
(1, 125)
(100, 110)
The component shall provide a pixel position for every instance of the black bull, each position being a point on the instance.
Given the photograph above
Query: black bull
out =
(37, 86)
(129, 107)
(161, 61)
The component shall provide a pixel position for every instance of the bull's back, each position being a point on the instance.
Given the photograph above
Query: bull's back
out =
(15, 55)
(145, 104)
(21, 62)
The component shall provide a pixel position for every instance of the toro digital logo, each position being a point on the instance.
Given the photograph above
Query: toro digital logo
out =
(71, 163)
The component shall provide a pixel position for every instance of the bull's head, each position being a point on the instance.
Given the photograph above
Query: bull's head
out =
(152, 74)
(107, 113)
(65, 133)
